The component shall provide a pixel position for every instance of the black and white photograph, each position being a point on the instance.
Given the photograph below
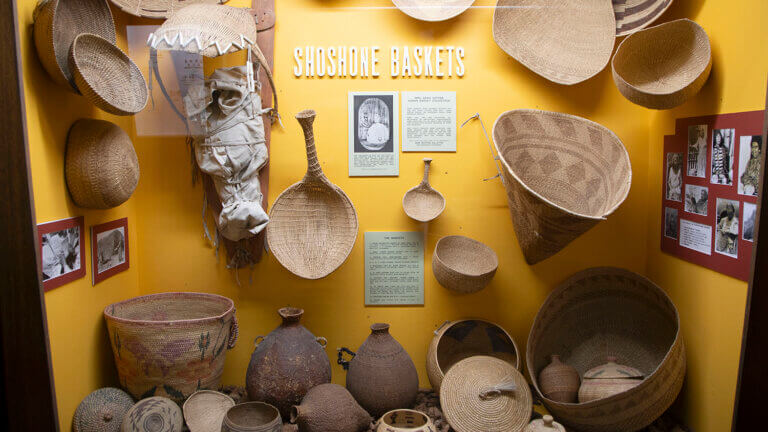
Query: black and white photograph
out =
(696, 199)
(61, 253)
(674, 176)
(727, 228)
(748, 230)
(722, 156)
(111, 249)
(670, 223)
(750, 150)
(697, 151)
(374, 149)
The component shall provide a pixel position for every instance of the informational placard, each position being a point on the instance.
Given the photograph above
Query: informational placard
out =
(429, 121)
(374, 149)
(711, 181)
(394, 268)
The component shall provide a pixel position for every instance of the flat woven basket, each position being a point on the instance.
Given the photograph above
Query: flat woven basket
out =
(106, 76)
(610, 311)
(433, 10)
(171, 344)
(157, 8)
(563, 175)
(565, 41)
(663, 66)
(58, 23)
(633, 15)
(101, 166)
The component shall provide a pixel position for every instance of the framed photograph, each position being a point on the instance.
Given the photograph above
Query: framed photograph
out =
(727, 227)
(109, 249)
(374, 149)
(722, 156)
(696, 199)
(750, 150)
(748, 229)
(62, 248)
(675, 176)
(670, 223)
(697, 151)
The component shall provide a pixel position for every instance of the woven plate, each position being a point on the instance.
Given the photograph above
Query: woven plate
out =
(157, 8)
(633, 15)
(565, 41)
(471, 403)
(205, 410)
(663, 66)
(433, 10)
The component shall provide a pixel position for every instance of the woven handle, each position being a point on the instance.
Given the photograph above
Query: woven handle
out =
(427, 162)
(259, 339)
(322, 341)
(345, 363)
(495, 156)
(441, 327)
(234, 332)
(493, 392)
(306, 118)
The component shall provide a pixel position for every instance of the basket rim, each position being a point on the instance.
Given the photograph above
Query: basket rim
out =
(407, 428)
(445, 265)
(125, 6)
(682, 21)
(646, 24)
(109, 316)
(440, 332)
(538, 195)
(565, 285)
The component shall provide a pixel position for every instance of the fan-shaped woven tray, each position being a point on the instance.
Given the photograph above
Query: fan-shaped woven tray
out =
(663, 66)
(157, 8)
(433, 10)
(563, 175)
(633, 15)
(565, 41)
(609, 311)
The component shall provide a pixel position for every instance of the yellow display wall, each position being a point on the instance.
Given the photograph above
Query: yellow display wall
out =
(170, 253)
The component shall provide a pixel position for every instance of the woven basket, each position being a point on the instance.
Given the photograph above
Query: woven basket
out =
(171, 344)
(633, 15)
(662, 67)
(157, 8)
(106, 76)
(457, 340)
(565, 41)
(563, 175)
(205, 410)
(101, 166)
(463, 265)
(57, 24)
(433, 10)
(609, 311)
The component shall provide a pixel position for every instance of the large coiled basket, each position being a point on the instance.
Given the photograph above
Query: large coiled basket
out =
(609, 311)
(171, 344)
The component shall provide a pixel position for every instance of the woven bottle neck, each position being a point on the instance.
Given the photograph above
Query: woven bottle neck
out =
(291, 316)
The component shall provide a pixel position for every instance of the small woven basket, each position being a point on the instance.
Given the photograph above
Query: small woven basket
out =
(609, 311)
(563, 175)
(106, 76)
(58, 23)
(157, 8)
(204, 411)
(171, 344)
(463, 265)
(663, 66)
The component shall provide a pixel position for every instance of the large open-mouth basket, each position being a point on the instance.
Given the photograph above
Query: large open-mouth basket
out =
(563, 175)
(171, 344)
(603, 312)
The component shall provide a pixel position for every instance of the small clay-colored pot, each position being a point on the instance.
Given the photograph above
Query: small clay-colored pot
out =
(405, 420)
(252, 417)
(559, 381)
(330, 407)
(608, 380)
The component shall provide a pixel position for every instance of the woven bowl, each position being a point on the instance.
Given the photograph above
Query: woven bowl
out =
(101, 166)
(252, 417)
(433, 10)
(204, 411)
(457, 340)
(663, 66)
(106, 76)
(563, 174)
(609, 311)
(58, 23)
(463, 265)
(405, 420)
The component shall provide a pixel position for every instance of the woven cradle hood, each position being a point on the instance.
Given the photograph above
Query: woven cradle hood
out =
(158, 8)
(563, 175)
(633, 15)
(565, 41)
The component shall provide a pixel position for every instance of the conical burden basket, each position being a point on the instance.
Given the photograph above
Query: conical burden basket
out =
(563, 175)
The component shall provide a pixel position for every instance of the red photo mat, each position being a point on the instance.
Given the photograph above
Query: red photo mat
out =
(52, 227)
(744, 124)
(96, 253)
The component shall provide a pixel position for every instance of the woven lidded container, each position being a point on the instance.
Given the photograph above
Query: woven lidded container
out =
(563, 175)
(171, 344)
(463, 265)
(633, 15)
(663, 66)
(457, 340)
(102, 411)
(603, 312)
(158, 8)
(58, 23)
(101, 165)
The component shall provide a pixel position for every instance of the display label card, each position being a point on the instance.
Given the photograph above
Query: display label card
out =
(394, 268)
(696, 236)
(429, 121)
(374, 149)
